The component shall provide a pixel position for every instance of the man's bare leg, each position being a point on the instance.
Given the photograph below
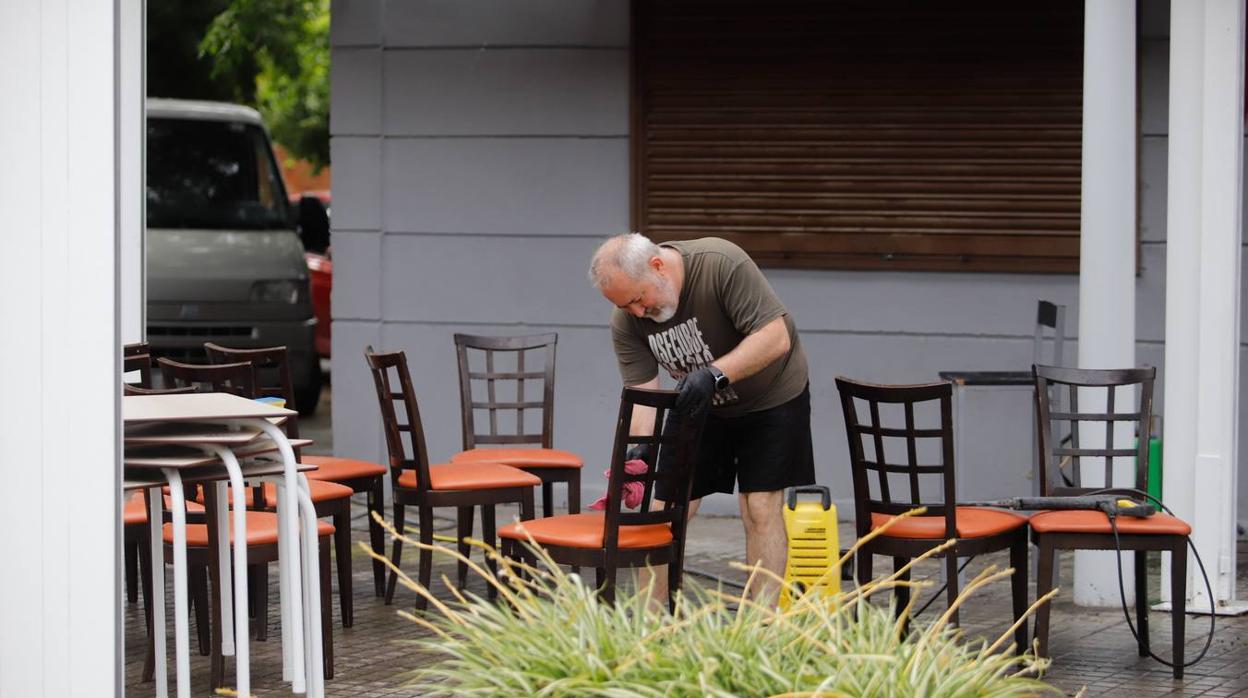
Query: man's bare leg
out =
(657, 575)
(766, 543)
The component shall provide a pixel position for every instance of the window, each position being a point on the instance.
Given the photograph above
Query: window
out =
(211, 174)
(940, 136)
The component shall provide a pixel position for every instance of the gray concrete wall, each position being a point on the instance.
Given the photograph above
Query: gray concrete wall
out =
(480, 151)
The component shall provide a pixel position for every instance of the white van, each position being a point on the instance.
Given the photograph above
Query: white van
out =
(224, 261)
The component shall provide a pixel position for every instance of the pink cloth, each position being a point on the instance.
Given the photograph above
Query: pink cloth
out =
(633, 491)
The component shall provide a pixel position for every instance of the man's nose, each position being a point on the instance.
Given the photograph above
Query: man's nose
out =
(637, 309)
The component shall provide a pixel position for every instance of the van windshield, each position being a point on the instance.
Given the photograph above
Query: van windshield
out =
(212, 174)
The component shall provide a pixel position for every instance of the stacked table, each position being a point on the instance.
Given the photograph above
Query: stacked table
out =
(215, 438)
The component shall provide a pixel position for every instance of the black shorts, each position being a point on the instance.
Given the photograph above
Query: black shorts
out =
(758, 452)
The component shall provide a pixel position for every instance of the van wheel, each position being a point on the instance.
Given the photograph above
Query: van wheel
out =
(308, 394)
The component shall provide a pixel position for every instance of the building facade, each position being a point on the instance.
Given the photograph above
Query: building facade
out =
(481, 151)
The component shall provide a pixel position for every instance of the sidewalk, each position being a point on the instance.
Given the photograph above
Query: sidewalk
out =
(1093, 648)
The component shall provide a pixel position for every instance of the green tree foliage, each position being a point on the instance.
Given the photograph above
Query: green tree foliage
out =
(288, 41)
(270, 54)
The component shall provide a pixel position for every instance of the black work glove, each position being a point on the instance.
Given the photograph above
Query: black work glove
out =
(696, 390)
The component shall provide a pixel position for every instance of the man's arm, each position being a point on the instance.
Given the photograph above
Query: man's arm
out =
(755, 352)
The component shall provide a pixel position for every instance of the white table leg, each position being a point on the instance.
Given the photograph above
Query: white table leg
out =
(181, 633)
(312, 593)
(288, 499)
(155, 521)
(223, 563)
(242, 662)
(283, 585)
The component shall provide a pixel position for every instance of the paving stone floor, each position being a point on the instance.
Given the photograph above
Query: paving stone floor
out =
(1093, 649)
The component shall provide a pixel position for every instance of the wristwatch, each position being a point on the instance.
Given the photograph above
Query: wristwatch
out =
(721, 381)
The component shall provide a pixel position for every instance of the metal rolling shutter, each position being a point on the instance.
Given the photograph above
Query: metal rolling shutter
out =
(862, 135)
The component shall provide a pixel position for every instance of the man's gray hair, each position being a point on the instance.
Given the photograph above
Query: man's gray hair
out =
(629, 253)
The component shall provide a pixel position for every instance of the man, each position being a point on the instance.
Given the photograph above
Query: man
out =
(703, 311)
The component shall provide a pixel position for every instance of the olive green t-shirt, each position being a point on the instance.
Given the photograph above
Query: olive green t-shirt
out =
(723, 299)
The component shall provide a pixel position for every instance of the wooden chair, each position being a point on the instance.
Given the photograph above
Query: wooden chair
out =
(273, 380)
(615, 538)
(236, 378)
(136, 358)
(424, 486)
(1091, 530)
(262, 549)
(976, 530)
(239, 378)
(134, 551)
(137, 533)
(536, 453)
(136, 554)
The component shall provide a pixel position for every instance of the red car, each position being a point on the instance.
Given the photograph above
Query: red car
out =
(320, 284)
(320, 277)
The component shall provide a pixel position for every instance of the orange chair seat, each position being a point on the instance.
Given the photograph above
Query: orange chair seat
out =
(261, 530)
(135, 511)
(336, 469)
(521, 457)
(971, 522)
(1097, 522)
(318, 490)
(585, 531)
(471, 476)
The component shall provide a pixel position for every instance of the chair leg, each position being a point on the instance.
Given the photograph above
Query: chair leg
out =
(149, 653)
(864, 567)
(526, 504)
(197, 583)
(149, 660)
(426, 555)
(376, 536)
(342, 551)
(1018, 587)
(396, 552)
(901, 592)
(327, 620)
(463, 533)
(951, 585)
(489, 535)
(1141, 600)
(1044, 584)
(258, 575)
(548, 499)
(675, 577)
(1178, 606)
(574, 502)
(574, 492)
(145, 576)
(608, 585)
(131, 547)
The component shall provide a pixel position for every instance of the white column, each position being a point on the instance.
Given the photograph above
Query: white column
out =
(59, 363)
(1107, 241)
(1202, 283)
(131, 165)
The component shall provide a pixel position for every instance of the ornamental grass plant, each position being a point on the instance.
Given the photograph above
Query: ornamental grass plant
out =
(549, 634)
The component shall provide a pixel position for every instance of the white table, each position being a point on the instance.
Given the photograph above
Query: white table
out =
(222, 428)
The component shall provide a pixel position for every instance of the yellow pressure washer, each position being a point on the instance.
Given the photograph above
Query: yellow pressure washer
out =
(814, 552)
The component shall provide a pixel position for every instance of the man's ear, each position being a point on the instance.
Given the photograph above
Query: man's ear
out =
(656, 263)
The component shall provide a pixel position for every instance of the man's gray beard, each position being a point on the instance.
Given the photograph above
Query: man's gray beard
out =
(661, 315)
